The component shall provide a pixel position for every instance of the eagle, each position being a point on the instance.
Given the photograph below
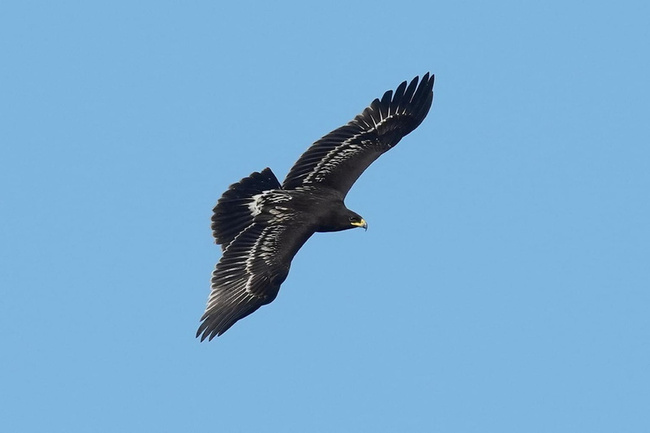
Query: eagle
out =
(261, 224)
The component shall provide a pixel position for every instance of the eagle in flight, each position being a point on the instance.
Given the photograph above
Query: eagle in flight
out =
(261, 224)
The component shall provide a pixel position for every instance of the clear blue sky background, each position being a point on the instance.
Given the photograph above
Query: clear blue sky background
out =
(503, 284)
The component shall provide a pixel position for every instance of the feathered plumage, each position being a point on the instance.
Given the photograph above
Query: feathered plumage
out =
(261, 224)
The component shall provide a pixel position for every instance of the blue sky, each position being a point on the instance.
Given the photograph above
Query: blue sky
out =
(503, 284)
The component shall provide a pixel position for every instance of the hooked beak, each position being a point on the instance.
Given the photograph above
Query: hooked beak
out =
(361, 223)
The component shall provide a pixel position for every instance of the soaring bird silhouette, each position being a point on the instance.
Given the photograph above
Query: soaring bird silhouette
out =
(261, 224)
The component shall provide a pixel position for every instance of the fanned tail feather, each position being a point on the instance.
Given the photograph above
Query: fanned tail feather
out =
(233, 212)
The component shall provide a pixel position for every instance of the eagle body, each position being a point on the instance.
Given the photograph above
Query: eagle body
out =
(261, 224)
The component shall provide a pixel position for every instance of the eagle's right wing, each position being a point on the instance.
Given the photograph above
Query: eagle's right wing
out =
(338, 159)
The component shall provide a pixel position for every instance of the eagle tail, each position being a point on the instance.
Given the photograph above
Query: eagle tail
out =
(235, 209)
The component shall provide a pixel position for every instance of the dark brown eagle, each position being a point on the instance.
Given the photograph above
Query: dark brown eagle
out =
(261, 224)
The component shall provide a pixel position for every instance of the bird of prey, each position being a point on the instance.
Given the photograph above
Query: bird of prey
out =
(261, 224)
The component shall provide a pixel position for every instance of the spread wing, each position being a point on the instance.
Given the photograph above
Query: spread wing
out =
(249, 274)
(338, 159)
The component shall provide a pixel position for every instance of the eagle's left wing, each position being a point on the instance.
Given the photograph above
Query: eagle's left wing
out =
(249, 274)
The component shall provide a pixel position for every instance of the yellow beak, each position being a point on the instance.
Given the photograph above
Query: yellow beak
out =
(361, 223)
